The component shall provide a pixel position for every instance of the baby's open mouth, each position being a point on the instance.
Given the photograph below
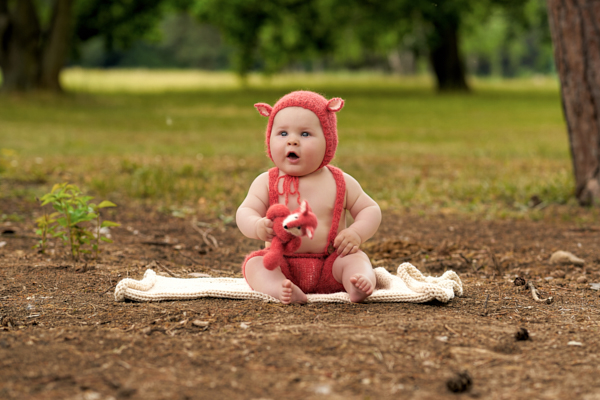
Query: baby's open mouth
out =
(293, 155)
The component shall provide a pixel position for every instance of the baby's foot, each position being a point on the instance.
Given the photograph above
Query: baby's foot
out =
(363, 288)
(291, 294)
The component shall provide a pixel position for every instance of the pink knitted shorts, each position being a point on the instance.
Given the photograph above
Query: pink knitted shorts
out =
(312, 273)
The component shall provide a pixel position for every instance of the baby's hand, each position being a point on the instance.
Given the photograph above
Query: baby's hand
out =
(347, 242)
(264, 229)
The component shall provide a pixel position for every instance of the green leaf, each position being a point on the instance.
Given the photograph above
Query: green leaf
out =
(107, 240)
(105, 224)
(106, 203)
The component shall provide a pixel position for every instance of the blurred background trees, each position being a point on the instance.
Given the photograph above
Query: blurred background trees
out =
(448, 38)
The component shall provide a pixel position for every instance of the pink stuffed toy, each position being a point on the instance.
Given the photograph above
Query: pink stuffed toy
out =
(288, 227)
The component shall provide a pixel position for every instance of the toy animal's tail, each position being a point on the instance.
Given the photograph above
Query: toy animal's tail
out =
(301, 222)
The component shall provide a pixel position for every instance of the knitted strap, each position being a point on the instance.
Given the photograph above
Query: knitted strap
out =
(290, 182)
(291, 186)
(338, 210)
(273, 181)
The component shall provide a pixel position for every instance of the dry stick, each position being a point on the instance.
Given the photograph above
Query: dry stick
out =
(451, 330)
(485, 304)
(189, 258)
(167, 270)
(205, 236)
(497, 266)
(535, 294)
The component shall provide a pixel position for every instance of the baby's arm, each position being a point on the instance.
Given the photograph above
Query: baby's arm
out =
(250, 216)
(366, 214)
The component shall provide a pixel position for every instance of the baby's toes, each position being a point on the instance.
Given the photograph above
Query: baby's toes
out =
(286, 292)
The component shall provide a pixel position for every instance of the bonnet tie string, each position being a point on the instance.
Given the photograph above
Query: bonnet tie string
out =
(290, 187)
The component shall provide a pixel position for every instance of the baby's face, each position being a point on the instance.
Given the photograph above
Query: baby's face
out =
(297, 141)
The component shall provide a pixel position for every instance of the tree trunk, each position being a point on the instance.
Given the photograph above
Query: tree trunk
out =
(19, 47)
(56, 46)
(29, 58)
(445, 57)
(575, 28)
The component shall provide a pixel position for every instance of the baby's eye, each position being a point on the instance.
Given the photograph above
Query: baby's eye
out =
(284, 133)
(305, 134)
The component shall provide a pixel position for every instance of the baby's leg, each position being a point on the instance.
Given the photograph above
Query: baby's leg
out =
(355, 272)
(273, 283)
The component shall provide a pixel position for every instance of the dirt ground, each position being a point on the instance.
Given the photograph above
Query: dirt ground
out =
(63, 336)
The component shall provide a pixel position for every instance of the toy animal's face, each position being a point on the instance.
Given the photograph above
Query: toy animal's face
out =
(291, 225)
(301, 222)
(297, 141)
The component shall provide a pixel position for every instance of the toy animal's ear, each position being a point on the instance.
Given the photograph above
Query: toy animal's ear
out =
(335, 104)
(304, 207)
(310, 232)
(264, 109)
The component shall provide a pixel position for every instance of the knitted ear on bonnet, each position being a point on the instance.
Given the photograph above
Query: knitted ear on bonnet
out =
(324, 110)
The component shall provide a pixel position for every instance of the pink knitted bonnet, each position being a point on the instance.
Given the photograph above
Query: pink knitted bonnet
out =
(324, 110)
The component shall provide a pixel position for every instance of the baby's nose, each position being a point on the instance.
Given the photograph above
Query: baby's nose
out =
(293, 141)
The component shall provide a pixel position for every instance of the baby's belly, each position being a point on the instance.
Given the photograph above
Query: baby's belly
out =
(312, 246)
(319, 242)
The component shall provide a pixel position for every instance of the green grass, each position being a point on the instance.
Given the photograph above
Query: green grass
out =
(194, 139)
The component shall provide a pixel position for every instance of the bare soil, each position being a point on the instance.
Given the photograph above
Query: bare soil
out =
(63, 336)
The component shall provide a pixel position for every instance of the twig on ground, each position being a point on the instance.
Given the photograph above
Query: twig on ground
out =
(167, 270)
(451, 330)
(213, 244)
(189, 258)
(497, 265)
(485, 305)
(535, 294)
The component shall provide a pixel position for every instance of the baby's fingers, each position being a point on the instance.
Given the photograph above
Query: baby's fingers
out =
(344, 248)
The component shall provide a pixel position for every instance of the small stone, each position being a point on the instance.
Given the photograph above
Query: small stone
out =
(460, 383)
(522, 334)
(559, 274)
(565, 258)
(574, 343)
(582, 279)
(200, 324)
(519, 281)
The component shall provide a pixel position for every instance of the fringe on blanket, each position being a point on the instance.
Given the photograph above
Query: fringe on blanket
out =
(409, 285)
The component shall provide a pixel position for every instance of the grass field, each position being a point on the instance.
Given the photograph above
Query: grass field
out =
(184, 140)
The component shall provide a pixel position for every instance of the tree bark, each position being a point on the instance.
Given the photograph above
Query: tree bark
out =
(56, 46)
(19, 47)
(445, 57)
(575, 28)
(30, 58)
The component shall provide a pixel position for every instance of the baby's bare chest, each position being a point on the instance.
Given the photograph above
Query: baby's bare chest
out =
(320, 193)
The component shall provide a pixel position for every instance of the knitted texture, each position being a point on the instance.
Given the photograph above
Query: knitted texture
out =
(284, 242)
(324, 110)
(338, 207)
(312, 273)
(409, 285)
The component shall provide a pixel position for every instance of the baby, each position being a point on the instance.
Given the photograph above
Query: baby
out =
(301, 141)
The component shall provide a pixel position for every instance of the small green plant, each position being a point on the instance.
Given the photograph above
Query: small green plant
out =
(72, 221)
(46, 225)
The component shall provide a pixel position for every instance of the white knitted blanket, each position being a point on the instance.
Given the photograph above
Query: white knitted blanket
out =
(409, 285)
